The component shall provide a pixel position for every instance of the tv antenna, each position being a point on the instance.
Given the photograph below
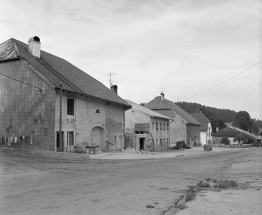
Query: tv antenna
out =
(162, 90)
(110, 78)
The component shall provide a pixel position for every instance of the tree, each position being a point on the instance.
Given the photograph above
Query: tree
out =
(142, 104)
(242, 120)
(254, 127)
(225, 140)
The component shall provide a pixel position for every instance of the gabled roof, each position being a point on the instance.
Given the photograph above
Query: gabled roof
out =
(202, 119)
(59, 71)
(232, 132)
(146, 111)
(158, 104)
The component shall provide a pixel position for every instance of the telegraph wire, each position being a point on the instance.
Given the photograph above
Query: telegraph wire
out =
(223, 86)
(22, 82)
(201, 92)
(223, 77)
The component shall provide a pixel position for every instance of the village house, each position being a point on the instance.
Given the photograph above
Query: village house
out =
(205, 128)
(183, 126)
(146, 129)
(42, 94)
(231, 132)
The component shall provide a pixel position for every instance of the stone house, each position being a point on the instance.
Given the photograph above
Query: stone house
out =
(41, 93)
(183, 126)
(205, 128)
(151, 129)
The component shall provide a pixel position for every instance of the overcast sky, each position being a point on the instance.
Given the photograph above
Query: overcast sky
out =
(204, 51)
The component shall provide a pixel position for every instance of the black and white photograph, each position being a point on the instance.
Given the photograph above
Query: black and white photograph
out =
(131, 107)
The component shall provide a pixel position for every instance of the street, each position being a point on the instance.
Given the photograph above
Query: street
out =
(28, 186)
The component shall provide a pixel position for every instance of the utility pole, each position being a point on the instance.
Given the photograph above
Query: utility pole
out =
(110, 78)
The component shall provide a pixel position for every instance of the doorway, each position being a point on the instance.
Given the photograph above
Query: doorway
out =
(142, 143)
(98, 138)
(59, 148)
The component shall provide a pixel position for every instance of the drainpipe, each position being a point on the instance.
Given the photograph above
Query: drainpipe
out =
(60, 118)
(153, 141)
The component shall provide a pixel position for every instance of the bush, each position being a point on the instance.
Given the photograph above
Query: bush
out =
(208, 147)
(225, 140)
(226, 184)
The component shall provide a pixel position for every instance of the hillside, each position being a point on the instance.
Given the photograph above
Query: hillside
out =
(226, 114)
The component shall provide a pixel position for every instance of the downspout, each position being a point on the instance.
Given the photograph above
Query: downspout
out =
(153, 141)
(60, 119)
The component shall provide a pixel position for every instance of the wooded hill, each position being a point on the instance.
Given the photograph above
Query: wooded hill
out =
(216, 115)
(226, 114)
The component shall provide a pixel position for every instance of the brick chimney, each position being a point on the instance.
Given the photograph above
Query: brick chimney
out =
(34, 46)
(162, 96)
(114, 89)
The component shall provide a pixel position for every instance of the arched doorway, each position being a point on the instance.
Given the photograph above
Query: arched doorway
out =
(98, 137)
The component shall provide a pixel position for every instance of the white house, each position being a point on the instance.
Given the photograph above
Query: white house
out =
(205, 129)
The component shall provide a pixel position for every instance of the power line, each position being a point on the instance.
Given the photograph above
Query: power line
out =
(223, 76)
(222, 82)
(224, 86)
(22, 82)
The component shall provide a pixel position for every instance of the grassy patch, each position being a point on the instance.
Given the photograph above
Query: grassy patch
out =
(225, 184)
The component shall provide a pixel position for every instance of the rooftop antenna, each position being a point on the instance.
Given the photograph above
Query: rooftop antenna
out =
(110, 78)
(162, 90)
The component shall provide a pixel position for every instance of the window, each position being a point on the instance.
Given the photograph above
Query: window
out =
(157, 126)
(164, 126)
(97, 111)
(152, 126)
(167, 126)
(70, 107)
(167, 140)
(160, 126)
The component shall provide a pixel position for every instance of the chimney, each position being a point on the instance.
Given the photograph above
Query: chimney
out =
(162, 96)
(34, 46)
(114, 89)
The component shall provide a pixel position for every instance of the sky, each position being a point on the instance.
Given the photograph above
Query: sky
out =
(204, 51)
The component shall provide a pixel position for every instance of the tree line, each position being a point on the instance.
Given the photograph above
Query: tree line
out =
(219, 117)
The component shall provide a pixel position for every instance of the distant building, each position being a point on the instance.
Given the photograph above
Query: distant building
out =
(232, 132)
(205, 128)
(146, 129)
(183, 126)
(32, 83)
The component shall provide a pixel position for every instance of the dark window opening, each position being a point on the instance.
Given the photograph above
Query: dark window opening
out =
(97, 111)
(70, 107)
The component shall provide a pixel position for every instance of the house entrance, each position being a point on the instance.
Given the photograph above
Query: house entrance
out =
(59, 148)
(141, 143)
(98, 138)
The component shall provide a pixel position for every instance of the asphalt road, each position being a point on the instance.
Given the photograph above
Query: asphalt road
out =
(28, 186)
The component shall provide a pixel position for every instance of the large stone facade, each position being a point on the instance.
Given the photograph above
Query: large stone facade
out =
(26, 113)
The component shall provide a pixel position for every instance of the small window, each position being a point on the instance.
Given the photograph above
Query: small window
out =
(70, 107)
(167, 126)
(157, 126)
(164, 126)
(97, 111)
(152, 126)
(160, 126)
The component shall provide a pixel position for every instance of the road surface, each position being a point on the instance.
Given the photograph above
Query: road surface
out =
(28, 186)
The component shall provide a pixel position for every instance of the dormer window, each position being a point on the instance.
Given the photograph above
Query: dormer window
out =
(97, 111)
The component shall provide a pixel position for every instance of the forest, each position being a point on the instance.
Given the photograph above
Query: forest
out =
(217, 116)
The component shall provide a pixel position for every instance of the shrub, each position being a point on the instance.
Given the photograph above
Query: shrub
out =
(225, 140)
(207, 147)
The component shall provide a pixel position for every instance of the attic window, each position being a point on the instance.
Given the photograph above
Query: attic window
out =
(97, 111)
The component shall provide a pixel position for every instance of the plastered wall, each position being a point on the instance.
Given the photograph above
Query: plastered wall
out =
(110, 120)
